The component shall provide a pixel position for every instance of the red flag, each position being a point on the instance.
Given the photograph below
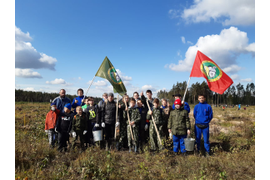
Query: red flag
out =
(217, 80)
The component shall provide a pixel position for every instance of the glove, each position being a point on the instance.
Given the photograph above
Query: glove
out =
(96, 125)
(56, 130)
(74, 134)
(84, 132)
(146, 127)
(170, 135)
(117, 124)
(46, 131)
(103, 125)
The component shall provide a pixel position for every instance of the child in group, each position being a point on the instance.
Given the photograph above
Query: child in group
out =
(179, 126)
(121, 121)
(203, 114)
(166, 109)
(78, 100)
(91, 113)
(63, 127)
(50, 123)
(79, 126)
(143, 133)
(158, 116)
(135, 118)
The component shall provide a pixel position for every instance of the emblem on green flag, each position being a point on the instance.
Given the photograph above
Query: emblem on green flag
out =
(107, 71)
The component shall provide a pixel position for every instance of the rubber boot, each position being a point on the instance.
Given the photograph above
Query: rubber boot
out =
(135, 149)
(107, 145)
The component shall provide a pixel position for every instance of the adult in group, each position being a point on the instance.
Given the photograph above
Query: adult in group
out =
(149, 97)
(61, 100)
(108, 120)
(100, 107)
(77, 101)
(186, 106)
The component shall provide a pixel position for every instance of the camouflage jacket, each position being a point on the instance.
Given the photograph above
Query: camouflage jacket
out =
(158, 115)
(79, 123)
(179, 121)
(134, 115)
(166, 111)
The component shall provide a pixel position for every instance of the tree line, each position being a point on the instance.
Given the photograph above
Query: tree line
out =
(32, 96)
(233, 95)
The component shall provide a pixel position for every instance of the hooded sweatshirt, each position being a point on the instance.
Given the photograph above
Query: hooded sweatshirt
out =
(203, 113)
(64, 122)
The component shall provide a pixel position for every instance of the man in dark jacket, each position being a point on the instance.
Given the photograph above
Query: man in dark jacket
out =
(63, 127)
(108, 119)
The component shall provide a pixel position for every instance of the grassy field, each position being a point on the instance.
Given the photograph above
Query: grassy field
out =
(232, 138)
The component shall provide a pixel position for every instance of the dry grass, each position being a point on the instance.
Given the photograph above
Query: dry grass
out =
(233, 153)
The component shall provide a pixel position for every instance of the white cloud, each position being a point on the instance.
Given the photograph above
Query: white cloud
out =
(183, 40)
(146, 87)
(232, 69)
(246, 80)
(124, 78)
(235, 77)
(79, 78)
(26, 56)
(100, 83)
(26, 73)
(223, 48)
(239, 12)
(188, 42)
(58, 81)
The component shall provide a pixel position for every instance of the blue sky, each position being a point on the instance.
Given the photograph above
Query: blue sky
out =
(61, 44)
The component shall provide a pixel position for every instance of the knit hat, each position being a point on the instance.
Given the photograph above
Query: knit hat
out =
(177, 101)
(52, 104)
(110, 94)
(68, 106)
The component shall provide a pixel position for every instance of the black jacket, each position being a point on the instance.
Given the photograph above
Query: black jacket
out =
(94, 116)
(64, 122)
(109, 113)
(143, 112)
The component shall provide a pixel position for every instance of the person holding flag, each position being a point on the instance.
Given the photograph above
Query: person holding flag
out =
(186, 105)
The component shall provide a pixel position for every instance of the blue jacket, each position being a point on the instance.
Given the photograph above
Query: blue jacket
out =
(61, 102)
(186, 107)
(74, 105)
(203, 113)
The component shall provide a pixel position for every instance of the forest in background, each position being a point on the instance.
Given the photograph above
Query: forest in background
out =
(233, 95)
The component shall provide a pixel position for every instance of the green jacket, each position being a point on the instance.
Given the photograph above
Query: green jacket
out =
(158, 115)
(134, 115)
(79, 123)
(179, 121)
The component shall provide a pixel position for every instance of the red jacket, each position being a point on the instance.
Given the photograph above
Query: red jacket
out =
(51, 119)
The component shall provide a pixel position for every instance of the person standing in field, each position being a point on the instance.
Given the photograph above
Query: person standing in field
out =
(122, 142)
(166, 109)
(63, 127)
(79, 127)
(143, 127)
(61, 100)
(50, 124)
(100, 107)
(203, 114)
(158, 116)
(179, 126)
(91, 112)
(135, 118)
(108, 120)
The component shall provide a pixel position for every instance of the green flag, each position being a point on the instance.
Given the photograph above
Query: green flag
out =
(107, 71)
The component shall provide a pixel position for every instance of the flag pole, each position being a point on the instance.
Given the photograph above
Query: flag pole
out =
(185, 91)
(116, 115)
(88, 89)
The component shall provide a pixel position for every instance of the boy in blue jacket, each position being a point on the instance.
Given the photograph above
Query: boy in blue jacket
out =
(203, 114)
(77, 101)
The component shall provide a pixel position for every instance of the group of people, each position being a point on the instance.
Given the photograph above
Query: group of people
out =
(139, 119)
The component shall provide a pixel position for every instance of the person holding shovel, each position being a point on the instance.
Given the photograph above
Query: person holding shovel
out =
(179, 126)
(158, 116)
